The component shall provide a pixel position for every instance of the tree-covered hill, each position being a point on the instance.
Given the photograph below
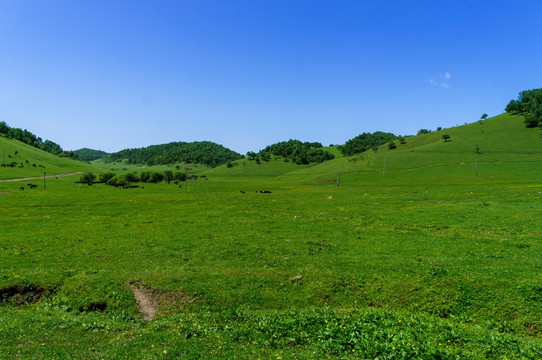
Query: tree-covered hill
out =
(202, 152)
(528, 104)
(365, 142)
(87, 154)
(301, 153)
(28, 138)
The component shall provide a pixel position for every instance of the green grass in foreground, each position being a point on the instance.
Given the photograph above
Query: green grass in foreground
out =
(428, 265)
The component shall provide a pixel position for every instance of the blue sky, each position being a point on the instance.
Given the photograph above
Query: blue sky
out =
(111, 75)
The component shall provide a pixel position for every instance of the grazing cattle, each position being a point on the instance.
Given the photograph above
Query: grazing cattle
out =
(9, 156)
(3, 165)
(21, 188)
(242, 192)
(33, 165)
(28, 162)
(33, 186)
(265, 192)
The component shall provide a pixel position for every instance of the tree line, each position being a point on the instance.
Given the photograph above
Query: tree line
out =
(301, 153)
(202, 152)
(27, 137)
(126, 180)
(528, 104)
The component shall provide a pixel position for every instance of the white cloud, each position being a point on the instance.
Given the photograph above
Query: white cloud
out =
(433, 82)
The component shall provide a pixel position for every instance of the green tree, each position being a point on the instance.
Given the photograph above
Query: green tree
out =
(145, 176)
(528, 104)
(391, 145)
(531, 120)
(156, 177)
(106, 176)
(168, 176)
(88, 178)
(446, 137)
(130, 178)
(483, 117)
(179, 176)
(366, 141)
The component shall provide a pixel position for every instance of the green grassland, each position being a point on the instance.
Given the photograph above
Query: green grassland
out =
(425, 260)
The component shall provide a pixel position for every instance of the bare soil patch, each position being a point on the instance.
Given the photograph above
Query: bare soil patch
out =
(41, 177)
(151, 301)
(18, 295)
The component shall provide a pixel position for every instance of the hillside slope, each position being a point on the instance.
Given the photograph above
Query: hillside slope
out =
(487, 145)
(26, 156)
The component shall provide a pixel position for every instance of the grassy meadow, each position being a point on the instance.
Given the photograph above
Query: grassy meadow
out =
(411, 255)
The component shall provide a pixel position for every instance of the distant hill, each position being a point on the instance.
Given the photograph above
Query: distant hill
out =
(202, 152)
(87, 154)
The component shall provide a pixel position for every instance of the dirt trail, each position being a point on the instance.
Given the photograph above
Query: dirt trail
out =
(144, 302)
(41, 177)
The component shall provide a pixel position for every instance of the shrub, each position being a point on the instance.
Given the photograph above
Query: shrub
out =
(145, 176)
(156, 177)
(179, 176)
(87, 178)
(119, 181)
(106, 176)
(131, 177)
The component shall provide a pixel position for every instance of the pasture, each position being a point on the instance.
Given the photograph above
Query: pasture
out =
(391, 264)
(425, 261)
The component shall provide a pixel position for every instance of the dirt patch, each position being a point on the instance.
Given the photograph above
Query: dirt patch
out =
(94, 306)
(3, 193)
(150, 301)
(41, 177)
(18, 295)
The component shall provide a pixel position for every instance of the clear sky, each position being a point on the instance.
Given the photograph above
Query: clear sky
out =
(116, 74)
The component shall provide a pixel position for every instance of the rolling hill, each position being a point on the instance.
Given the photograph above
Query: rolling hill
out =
(33, 162)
